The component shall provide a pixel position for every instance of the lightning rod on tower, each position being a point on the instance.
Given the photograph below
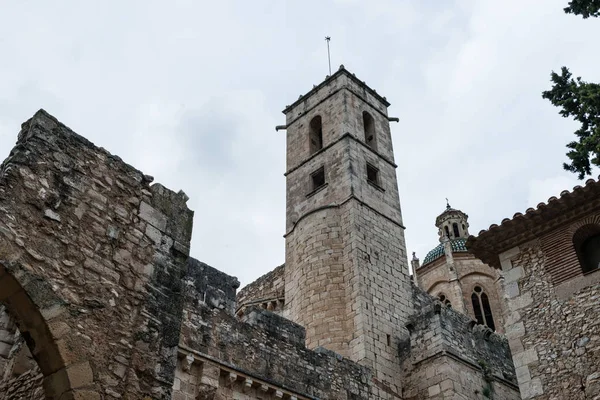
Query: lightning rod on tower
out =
(327, 39)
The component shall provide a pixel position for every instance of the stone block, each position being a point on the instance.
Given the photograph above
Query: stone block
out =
(152, 216)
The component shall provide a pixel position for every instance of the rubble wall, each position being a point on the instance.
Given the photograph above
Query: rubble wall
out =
(553, 330)
(447, 355)
(91, 260)
(267, 292)
(261, 356)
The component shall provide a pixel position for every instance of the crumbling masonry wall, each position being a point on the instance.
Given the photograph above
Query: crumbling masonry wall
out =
(267, 292)
(91, 260)
(448, 356)
(261, 356)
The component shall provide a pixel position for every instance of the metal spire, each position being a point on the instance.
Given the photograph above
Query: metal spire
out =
(327, 39)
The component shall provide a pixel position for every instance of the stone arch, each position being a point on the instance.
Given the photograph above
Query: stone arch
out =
(433, 287)
(369, 130)
(477, 273)
(482, 304)
(41, 318)
(315, 134)
(586, 240)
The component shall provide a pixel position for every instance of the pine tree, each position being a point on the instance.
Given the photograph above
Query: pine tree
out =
(580, 100)
(585, 8)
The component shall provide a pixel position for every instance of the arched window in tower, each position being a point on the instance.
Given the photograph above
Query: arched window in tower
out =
(369, 127)
(447, 231)
(315, 134)
(481, 308)
(587, 246)
(455, 229)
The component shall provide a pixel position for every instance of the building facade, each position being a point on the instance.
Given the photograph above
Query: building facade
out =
(550, 263)
(456, 277)
(96, 281)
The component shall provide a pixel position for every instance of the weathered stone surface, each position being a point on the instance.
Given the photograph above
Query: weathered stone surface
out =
(448, 355)
(267, 292)
(69, 271)
(262, 357)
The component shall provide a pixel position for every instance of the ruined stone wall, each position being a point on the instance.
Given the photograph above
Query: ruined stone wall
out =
(7, 339)
(91, 260)
(446, 377)
(260, 357)
(446, 355)
(267, 292)
(27, 386)
(553, 330)
(20, 377)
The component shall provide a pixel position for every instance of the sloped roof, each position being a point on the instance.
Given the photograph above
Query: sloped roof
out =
(524, 227)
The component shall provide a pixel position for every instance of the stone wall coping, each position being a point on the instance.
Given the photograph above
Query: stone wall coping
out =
(470, 364)
(184, 351)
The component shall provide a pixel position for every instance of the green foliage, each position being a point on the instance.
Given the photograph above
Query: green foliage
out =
(487, 390)
(580, 100)
(585, 8)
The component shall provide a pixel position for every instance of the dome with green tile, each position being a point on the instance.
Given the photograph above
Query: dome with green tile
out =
(458, 245)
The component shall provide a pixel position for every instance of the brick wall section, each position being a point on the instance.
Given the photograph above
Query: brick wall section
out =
(447, 356)
(92, 257)
(267, 292)
(562, 262)
(263, 357)
(553, 330)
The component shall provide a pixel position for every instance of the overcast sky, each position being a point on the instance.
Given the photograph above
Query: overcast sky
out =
(190, 92)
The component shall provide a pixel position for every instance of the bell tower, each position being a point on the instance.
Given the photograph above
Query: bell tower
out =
(346, 273)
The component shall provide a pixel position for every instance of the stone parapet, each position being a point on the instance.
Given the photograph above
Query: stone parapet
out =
(447, 354)
(261, 354)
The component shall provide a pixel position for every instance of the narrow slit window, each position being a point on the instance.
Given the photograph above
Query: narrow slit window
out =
(318, 178)
(372, 174)
(447, 231)
(369, 127)
(315, 134)
(389, 340)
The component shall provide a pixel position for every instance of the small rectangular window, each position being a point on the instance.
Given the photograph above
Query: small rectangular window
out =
(389, 340)
(372, 175)
(318, 178)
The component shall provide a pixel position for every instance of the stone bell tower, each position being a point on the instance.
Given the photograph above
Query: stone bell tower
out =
(346, 274)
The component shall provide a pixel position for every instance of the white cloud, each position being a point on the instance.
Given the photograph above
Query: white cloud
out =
(190, 92)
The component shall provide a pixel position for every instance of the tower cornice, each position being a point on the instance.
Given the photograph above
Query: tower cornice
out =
(341, 71)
